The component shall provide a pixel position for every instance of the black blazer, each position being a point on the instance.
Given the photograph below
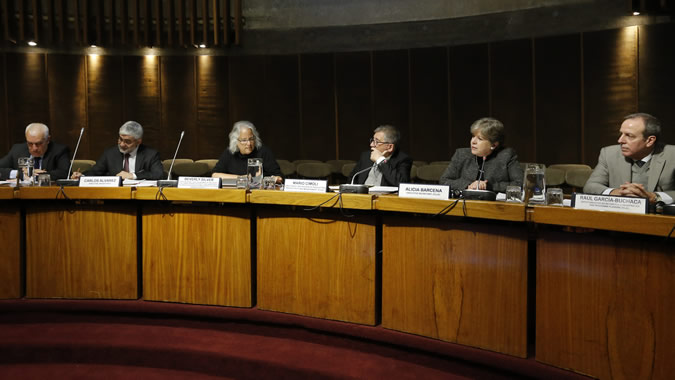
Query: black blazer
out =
(148, 164)
(395, 169)
(501, 169)
(55, 161)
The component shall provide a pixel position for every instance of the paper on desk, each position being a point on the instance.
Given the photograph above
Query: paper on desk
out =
(382, 189)
(140, 183)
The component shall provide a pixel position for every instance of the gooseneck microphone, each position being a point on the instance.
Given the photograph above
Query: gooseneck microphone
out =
(168, 182)
(356, 188)
(67, 181)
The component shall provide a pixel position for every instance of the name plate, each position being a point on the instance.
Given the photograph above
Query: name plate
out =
(417, 190)
(306, 185)
(610, 203)
(104, 181)
(198, 183)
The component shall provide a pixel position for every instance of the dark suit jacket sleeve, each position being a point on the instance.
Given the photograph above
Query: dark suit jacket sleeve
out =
(58, 159)
(9, 161)
(270, 164)
(363, 163)
(396, 169)
(101, 167)
(515, 173)
(452, 176)
(151, 166)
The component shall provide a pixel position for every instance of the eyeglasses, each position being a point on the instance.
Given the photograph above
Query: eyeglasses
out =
(244, 141)
(126, 141)
(377, 142)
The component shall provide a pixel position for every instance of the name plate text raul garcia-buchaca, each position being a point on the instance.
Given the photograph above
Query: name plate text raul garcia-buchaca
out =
(198, 183)
(610, 203)
(100, 181)
(417, 190)
(306, 185)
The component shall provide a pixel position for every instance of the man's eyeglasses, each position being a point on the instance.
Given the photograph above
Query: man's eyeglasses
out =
(377, 142)
(126, 141)
(244, 141)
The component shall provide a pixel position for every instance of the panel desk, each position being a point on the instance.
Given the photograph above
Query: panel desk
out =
(80, 242)
(196, 246)
(461, 279)
(605, 301)
(319, 263)
(10, 244)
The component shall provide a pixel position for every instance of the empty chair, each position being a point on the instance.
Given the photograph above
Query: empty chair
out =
(430, 173)
(211, 163)
(413, 173)
(82, 165)
(419, 164)
(576, 178)
(554, 177)
(287, 168)
(298, 162)
(347, 170)
(167, 163)
(444, 163)
(568, 167)
(191, 169)
(315, 170)
(337, 165)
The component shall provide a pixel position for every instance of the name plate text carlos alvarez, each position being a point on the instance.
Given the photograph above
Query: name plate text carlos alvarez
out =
(100, 181)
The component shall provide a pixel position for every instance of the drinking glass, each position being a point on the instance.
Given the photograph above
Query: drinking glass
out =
(554, 196)
(269, 183)
(255, 173)
(25, 172)
(44, 179)
(514, 194)
(534, 184)
(242, 182)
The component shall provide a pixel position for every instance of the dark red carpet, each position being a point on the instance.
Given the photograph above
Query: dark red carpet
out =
(146, 340)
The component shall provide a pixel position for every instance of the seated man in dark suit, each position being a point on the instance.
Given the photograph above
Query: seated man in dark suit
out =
(640, 166)
(130, 159)
(388, 165)
(49, 157)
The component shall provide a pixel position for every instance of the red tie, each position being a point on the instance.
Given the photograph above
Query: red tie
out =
(126, 162)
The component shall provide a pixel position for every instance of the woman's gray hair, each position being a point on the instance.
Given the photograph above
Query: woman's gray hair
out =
(492, 129)
(236, 130)
(133, 129)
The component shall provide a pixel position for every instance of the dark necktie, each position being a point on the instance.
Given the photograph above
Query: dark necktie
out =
(126, 162)
(639, 163)
(37, 163)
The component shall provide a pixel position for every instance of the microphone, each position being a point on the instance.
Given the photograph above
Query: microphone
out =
(476, 194)
(67, 181)
(168, 182)
(356, 188)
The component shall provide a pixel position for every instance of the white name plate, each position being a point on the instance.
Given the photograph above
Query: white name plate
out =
(417, 190)
(105, 181)
(306, 185)
(198, 183)
(610, 203)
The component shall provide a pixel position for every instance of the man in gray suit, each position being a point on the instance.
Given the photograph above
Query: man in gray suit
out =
(640, 166)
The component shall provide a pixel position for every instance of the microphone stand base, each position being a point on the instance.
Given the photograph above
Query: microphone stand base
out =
(167, 183)
(67, 182)
(354, 189)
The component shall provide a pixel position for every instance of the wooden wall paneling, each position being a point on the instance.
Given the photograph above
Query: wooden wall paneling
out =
(134, 12)
(100, 21)
(353, 88)
(60, 244)
(205, 22)
(146, 14)
(280, 124)
(124, 22)
(469, 93)
(237, 22)
(215, 20)
(111, 10)
(104, 104)
(10, 255)
(85, 23)
(198, 255)
(158, 17)
(246, 82)
(28, 93)
(610, 86)
(7, 20)
(464, 283)
(656, 77)
(60, 19)
(512, 94)
(170, 15)
(429, 130)
(324, 269)
(558, 99)
(213, 121)
(37, 20)
(317, 105)
(226, 22)
(181, 22)
(391, 94)
(67, 99)
(6, 141)
(141, 86)
(609, 313)
(21, 12)
(192, 10)
(178, 111)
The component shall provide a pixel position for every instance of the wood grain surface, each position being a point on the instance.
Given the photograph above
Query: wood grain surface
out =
(199, 255)
(458, 282)
(328, 200)
(81, 251)
(604, 304)
(196, 195)
(317, 264)
(74, 192)
(10, 254)
(474, 209)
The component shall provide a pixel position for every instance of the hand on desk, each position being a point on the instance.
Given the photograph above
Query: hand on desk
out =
(125, 175)
(477, 185)
(634, 190)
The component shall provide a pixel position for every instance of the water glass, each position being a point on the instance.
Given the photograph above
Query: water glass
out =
(514, 194)
(255, 173)
(242, 182)
(25, 172)
(269, 183)
(554, 196)
(534, 184)
(44, 179)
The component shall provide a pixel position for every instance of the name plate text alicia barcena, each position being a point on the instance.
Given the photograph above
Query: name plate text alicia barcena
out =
(417, 190)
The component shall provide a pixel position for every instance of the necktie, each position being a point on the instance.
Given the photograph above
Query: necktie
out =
(37, 163)
(126, 162)
(639, 163)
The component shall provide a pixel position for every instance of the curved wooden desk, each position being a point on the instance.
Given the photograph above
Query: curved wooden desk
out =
(10, 241)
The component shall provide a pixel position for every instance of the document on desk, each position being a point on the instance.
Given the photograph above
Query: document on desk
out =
(140, 183)
(382, 189)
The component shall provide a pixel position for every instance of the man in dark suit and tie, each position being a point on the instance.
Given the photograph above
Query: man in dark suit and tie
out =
(130, 159)
(388, 165)
(48, 157)
(640, 166)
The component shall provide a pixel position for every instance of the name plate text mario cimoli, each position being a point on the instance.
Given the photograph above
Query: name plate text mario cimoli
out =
(306, 185)
(610, 203)
(417, 190)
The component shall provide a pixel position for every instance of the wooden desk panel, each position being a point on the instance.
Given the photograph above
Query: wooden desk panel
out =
(605, 304)
(317, 264)
(458, 282)
(199, 255)
(474, 209)
(193, 195)
(81, 251)
(74, 192)
(10, 253)
(6, 192)
(326, 200)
